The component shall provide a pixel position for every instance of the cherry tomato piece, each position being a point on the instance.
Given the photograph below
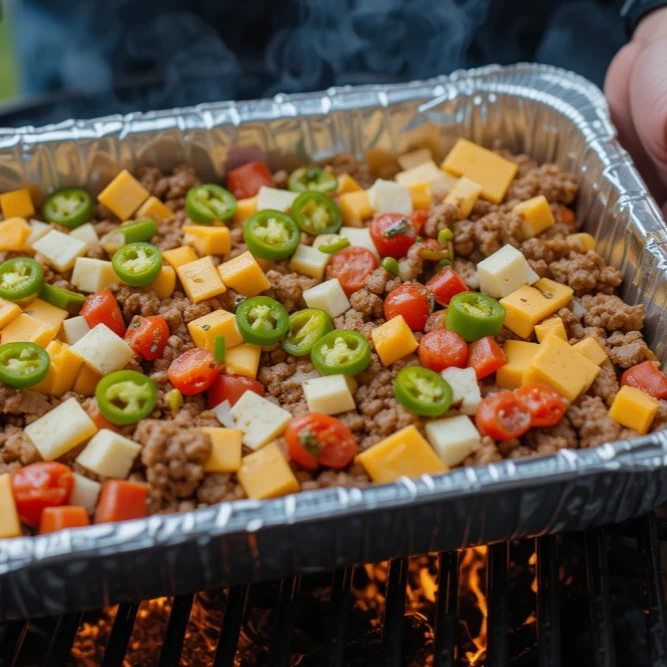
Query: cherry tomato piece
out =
(546, 405)
(102, 308)
(419, 218)
(231, 388)
(567, 216)
(446, 284)
(59, 518)
(193, 371)
(245, 181)
(442, 349)
(121, 501)
(319, 440)
(648, 378)
(147, 336)
(352, 266)
(502, 416)
(99, 419)
(410, 300)
(41, 485)
(485, 356)
(393, 234)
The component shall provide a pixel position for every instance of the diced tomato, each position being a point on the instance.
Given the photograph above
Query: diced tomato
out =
(59, 518)
(411, 300)
(148, 336)
(319, 440)
(419, 218)
(352, 266)
(231, 388)
(98, 418)
(446, 284)
(393, 234)
(245, 181)
(648, 378)
(502, 416)
(102, 308)
(120, 501)
(485, 356)
(442, 349)
(567, 216)
(41, 485)
(546, 405)
(193, 371)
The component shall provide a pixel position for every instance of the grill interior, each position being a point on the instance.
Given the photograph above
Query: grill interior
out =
(593, 599)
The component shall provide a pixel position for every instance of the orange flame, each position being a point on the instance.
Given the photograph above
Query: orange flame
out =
(471, 568)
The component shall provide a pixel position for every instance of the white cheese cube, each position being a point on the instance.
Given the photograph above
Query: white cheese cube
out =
(331, 394)
(425, 173)
(453, 438)
(87, 234)
(389, 197)
(74, 329)
(465, 387)
(504, 272)
(309, 261)
(440, 189)
(103, 350)
(360, 237)
(260, 420)
(60, 430)
(109, 454)
(37, 230)
(325, 239)
(327, 296)
(414, 158)
(60, 250)
(93, 275)
(275, 199)
(85, 493)
(223, 413)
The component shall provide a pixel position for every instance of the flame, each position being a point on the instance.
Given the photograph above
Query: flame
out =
(428, 584)
(471, 568)
(532, 562)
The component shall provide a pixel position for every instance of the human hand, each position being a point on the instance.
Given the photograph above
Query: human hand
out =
(636, 88)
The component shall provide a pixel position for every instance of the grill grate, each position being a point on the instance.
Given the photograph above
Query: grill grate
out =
(49, 641)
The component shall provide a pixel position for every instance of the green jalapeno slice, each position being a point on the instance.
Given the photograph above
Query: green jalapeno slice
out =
(137, 264)
(262, 320)
(207, 203)
(316, 213)
(312, 179)
(72, 302)
(125, 397)
(423, 391)
(305, 328)
(20, 278)
(69, 207)
(473, 316)
(23, 365)
(271, 235)
(341, 352)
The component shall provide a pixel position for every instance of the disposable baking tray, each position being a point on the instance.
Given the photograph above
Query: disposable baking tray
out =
(551, 114)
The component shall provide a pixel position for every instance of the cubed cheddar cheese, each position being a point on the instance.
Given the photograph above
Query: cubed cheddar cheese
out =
(275, 199)
(464, 196)
(422, 174)
(492, 172)
(87, 234)
(60, 250)
(60, 429)
(309, 261)
(504, 272)
(17, 204)
(10, 525)
(260, 420)
(226, 449)
(86, 381)
(208, 240)
(560, 366)
(360, 237)
(465, 388)
(46, 312)
(243, 360)
(592, 350)
(244, 275)
(347, 184)
(328, 296)
(331, 394)
(26, 329)
(85, 493)
(154, 208)
(421, 196)
(200, 279)
(634, 409)
(453, 438)
(165, 284)
(14, 234)
(403, 454)
(37, 230)
(586, 240)
(536, 216)
(124, 195)
(93, 275)
(8, 311)
(355, 207)
(109, 454)
(552, 325)
(266, 474)
(519, 357)
(414, 158)
(206, 328)
(387, 196)
(179, 256)
(63, 370)
(103, 350)
(529, 305)
(393, 340)
(244, 209)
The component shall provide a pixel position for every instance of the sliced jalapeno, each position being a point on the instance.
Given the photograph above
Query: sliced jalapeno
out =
(334, 246)
(20, 278)
(207, 203)
(316, 213)
(23, 364)
(473, 316)
(305, 328)
(271, 235)
(312, 179)
(219, 349)
(69, 207)
(344, 352)
(261, 320)
(391, 265)
(125, 397)
(137, 264)
(423, 391)
(72, 302)
(131, 231)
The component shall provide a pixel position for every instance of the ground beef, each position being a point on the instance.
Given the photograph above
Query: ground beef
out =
(381, 281)
(134, 302)
(288, 288)
(284, 382)
(353, 320)
(606, 384)
(442, 216)
(586, 273)
(590, 416)
(488, 234)
(660, 421)
(552, 439)
(348, 164)
(16, 447)
(548, 180)
(367, 303)
(29, 405)
(219, 487)
(629, 349)
(467, 271)
(547, 250)
(610, 313)
(487, 453)
(354, 476)
(170, 232)
(483, 207)
(170, 188)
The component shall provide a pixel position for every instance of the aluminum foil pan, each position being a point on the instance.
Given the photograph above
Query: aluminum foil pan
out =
(553, 115)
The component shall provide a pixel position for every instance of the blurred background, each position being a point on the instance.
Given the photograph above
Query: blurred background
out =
(84, 58)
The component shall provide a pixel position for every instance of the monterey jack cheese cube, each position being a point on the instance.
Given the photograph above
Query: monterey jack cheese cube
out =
(331, 394)
(260, 420)
(275, 199)
(327, 296)
(453, 438)
(504, 272)
(389, 197)
(103, 350)
(60, 250)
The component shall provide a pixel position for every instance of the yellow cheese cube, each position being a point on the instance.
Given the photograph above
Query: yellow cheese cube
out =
(10, 526)
(634, 409)
(179, 256)
(560, 366)
(47, 313)
(536, 216)
(491, 171)
(552, 325)
(464, 196)
(310, 261)
(243, 360)
(421, 196)
(266, 474)
(403, 454)
(519, 356)
(165, 284)
(26, 329)
(592, 350)
(393, 340)
(244, 209)
(86, 381)
(586, 240)
(8, 312)
(226, 449)
(208, 240)
(63, 370)
(154, 208)
(414, 158)
(124, 195)
(17, 204)
(200, 280)
(531, 304)
(355, 207)
(244, 275)
(14, 234)
(347, 184)
(205, 329)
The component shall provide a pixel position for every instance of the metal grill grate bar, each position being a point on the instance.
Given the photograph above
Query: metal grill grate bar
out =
(445, 610)
(62, 639)
(284, 615)
(120, 634)
(548, 602)
(232, 620)
(498, 601)
(394, 612)
(172, 644)
(340, 617)
(11, 639)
